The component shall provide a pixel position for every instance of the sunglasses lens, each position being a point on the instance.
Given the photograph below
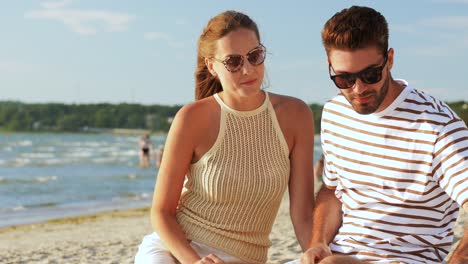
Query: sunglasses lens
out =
(257, 56)
(233, 63)
(372, 75)
(344, 81)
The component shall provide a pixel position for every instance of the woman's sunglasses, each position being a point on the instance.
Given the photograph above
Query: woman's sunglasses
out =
(369, 75)
(234, 63)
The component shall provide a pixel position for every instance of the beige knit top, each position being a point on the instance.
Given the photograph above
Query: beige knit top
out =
(232, 194)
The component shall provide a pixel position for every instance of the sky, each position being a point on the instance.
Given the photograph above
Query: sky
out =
(144, 51)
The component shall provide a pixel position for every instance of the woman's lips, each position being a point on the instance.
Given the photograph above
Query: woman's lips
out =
(249, 82)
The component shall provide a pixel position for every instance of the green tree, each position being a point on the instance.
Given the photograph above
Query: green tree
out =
(69, 123)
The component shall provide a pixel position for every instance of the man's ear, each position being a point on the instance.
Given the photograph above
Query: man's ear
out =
(209, 65)
(390, 55)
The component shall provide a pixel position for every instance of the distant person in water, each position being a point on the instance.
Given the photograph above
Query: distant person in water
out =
(318, 169)
(146, 149)
(159, 155)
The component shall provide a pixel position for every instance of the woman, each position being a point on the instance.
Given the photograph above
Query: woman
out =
(239, 149)
(146, 149)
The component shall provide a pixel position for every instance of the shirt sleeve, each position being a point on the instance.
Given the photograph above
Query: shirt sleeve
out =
(328, 177)
(450, 163)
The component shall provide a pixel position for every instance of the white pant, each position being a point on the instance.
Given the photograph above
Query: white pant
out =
(153, 251)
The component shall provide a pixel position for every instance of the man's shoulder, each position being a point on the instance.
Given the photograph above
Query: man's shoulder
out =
(337, 101)
(422, 102)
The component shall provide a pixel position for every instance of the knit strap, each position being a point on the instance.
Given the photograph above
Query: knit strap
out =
(243, 113)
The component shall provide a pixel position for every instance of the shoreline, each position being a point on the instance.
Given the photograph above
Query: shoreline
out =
(115, 213)
(32, 216)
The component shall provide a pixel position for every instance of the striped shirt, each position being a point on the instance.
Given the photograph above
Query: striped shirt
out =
(401, 175)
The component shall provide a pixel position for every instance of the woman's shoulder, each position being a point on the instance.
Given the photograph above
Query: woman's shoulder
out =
(197, 115)
(288, 104)
(198, 108)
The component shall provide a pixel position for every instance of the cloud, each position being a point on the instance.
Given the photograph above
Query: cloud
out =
(15, 67)
(56, 4)
(301, 64)
(447, 22)
(450, 23)
(156, 36)
(164, 37)
(402, 28)
(447, 33)
(85, 22)
(181, 22)
(442, 93)
(452, 1)
(434, 51)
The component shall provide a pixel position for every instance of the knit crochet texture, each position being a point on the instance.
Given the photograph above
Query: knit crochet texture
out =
(232, 194)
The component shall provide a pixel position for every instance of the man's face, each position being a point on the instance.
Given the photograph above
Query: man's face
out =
(365, 98)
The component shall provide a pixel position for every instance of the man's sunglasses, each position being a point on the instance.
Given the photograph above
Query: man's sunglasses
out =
(369, 75)
(234, 63)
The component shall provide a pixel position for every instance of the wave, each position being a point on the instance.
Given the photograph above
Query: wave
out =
(40, 205)
(46, 178)
(54, 162)
(133, 196)
(13, 209)
(20, 162)
(92, 144)
(46, 148)
(38, 179)
(23, 143)
(37, 155)
(80, 153)
(26, 207)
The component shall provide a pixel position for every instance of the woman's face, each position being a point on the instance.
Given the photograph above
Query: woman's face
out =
(247, 79)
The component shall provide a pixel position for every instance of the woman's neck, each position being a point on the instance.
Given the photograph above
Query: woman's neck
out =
(243, 103)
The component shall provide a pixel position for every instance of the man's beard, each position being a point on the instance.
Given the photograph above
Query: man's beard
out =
(374, 103)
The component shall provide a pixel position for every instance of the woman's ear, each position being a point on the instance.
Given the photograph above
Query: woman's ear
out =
(209, 65)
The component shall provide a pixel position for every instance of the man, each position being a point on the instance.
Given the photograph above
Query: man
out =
(396, 158)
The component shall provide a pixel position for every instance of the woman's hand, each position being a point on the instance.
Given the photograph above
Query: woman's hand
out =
(211, 258)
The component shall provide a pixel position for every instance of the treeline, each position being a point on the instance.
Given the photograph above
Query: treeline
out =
(17, 116)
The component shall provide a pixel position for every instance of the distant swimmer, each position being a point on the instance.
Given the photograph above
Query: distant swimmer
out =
(146, 148)
(159, 155)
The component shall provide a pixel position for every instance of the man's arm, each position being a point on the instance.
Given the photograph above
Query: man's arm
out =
(328, 218)
(460, 255)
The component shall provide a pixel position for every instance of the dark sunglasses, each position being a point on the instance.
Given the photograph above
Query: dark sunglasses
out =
(234, 63)
(369, 75)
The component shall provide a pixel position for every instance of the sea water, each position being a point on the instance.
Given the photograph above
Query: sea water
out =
(47, 176)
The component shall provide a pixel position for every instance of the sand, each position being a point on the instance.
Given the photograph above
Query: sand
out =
(113, 237)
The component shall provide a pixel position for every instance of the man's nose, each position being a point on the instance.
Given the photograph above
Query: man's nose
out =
(359, 86)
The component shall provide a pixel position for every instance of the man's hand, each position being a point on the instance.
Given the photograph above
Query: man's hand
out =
(460, 254)
(315, 254)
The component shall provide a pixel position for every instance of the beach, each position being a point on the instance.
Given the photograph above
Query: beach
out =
(114, 236)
